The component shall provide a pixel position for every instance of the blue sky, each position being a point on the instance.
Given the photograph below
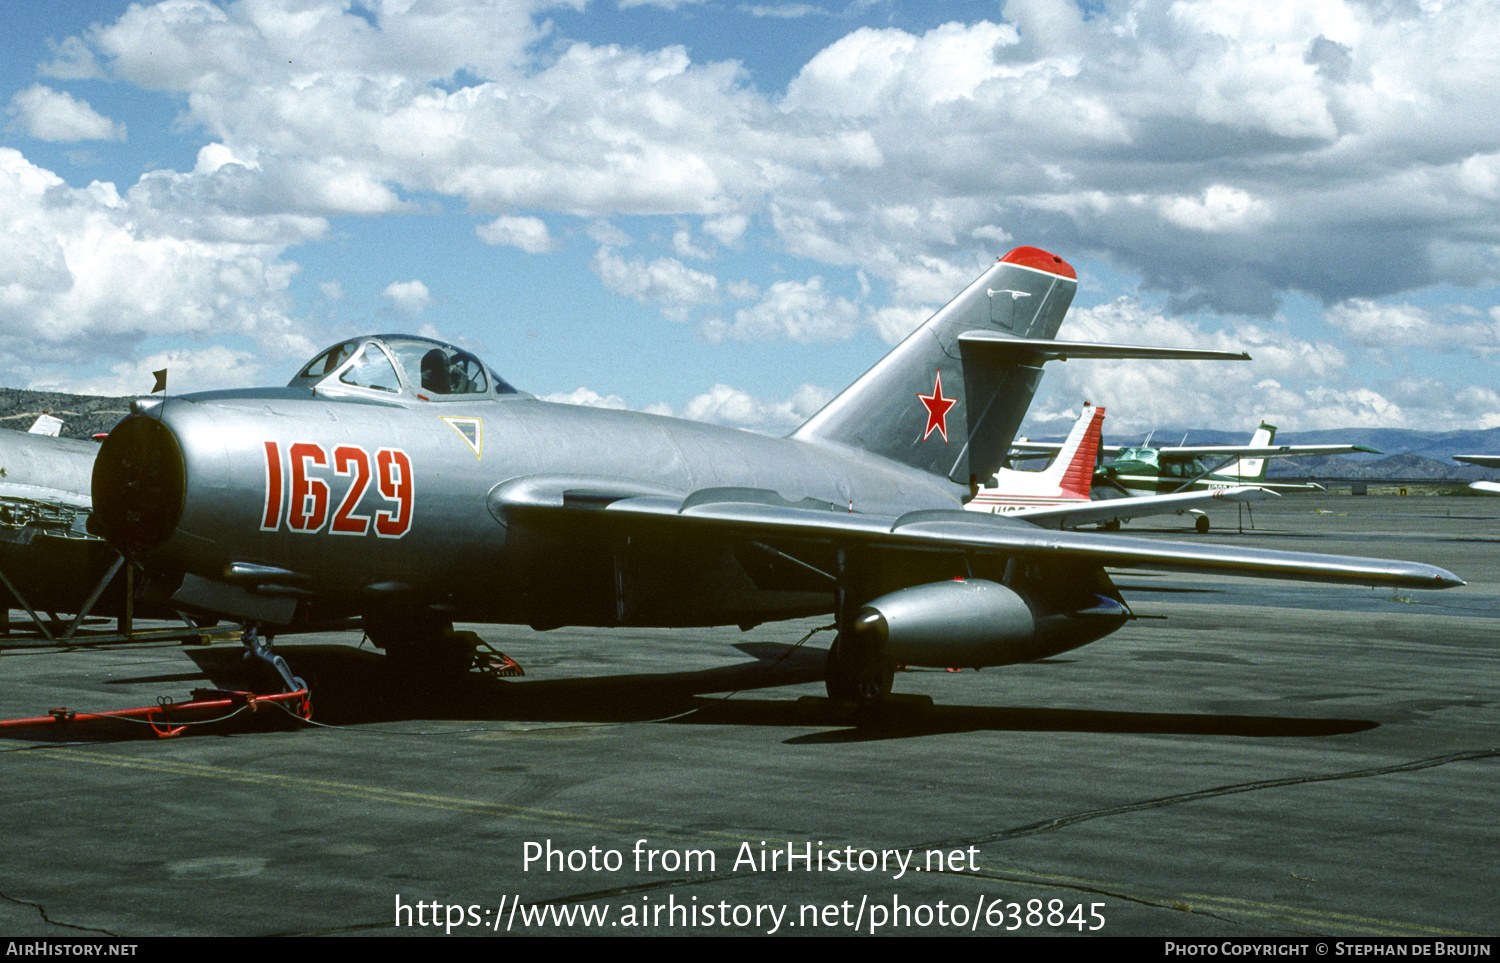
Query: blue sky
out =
(727, 211)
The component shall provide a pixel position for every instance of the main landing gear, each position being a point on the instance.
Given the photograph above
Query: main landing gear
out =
(858, 672)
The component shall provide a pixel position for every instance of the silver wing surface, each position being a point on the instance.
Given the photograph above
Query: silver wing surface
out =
(755, 514)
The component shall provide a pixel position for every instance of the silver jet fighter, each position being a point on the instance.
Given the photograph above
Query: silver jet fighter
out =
(402, 480)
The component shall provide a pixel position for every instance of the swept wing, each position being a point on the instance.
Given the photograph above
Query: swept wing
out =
(764, 515)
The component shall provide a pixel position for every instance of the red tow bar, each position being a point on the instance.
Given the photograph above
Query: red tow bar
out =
(161, 716)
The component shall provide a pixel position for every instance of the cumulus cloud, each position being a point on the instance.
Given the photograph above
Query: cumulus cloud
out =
(665, 282)
(188, 369)
(683, 244)
(1220, 208)
(1143, 395)
(587, 397)
(87, 270)
(530, 234)
(720, 405)
(1405, 326)
(410, 298)
(663, 4)
(1224, 153)
(783, 11)
(56, 115)
(724, 405)
(794, 310)
(1156, 132)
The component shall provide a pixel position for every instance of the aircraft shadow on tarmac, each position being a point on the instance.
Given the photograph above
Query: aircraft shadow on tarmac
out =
(353, 687)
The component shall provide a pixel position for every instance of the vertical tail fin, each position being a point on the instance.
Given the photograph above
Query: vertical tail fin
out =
(1254, 469)
(1072, 471)
(932, 405)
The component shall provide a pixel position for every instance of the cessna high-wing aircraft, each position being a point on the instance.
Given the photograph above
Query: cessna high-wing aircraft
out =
(1058, 497)
(401, 479)
(1143, 470)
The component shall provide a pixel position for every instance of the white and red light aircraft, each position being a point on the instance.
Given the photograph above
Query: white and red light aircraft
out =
(1061, 495)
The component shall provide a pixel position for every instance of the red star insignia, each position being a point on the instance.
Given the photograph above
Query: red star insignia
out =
(937, 409)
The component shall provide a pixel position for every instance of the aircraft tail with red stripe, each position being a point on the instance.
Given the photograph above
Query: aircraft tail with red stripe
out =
(1072, 471)
(1067, 480)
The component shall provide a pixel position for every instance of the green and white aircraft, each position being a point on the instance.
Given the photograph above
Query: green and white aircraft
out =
(1142, 470)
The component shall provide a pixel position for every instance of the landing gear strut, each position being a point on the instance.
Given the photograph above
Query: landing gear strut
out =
(259, 647)
(858, 671)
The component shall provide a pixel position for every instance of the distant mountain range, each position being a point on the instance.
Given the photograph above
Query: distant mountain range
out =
(1375, 468)
(1407, 453)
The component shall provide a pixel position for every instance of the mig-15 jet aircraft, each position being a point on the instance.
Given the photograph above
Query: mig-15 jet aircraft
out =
(401, 479)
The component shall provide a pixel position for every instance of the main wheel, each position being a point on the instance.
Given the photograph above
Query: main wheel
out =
(1201, 524)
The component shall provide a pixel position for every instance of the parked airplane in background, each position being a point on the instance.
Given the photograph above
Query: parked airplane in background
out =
(1058, 497)
(1143, 470)
(49, 561)
(1483, 461)
(401, 479)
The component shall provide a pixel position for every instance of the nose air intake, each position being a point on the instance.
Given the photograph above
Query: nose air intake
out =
(139, 482)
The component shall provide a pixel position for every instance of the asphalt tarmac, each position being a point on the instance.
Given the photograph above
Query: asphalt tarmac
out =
(1247, 758)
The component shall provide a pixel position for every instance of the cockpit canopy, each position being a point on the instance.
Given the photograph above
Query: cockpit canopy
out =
(1145, 456)
(400, 364)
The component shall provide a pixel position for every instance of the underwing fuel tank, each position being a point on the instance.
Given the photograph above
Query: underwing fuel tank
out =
(977, 623)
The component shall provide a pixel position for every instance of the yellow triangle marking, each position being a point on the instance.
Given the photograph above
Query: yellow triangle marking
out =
(471, 430)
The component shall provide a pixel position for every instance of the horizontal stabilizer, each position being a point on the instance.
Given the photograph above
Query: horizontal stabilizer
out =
(1002, 349)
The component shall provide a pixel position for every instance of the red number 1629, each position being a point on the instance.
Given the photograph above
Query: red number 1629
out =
(306, 507)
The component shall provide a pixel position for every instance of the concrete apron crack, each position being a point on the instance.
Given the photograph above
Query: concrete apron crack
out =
(42, 912)
(1047, 825)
